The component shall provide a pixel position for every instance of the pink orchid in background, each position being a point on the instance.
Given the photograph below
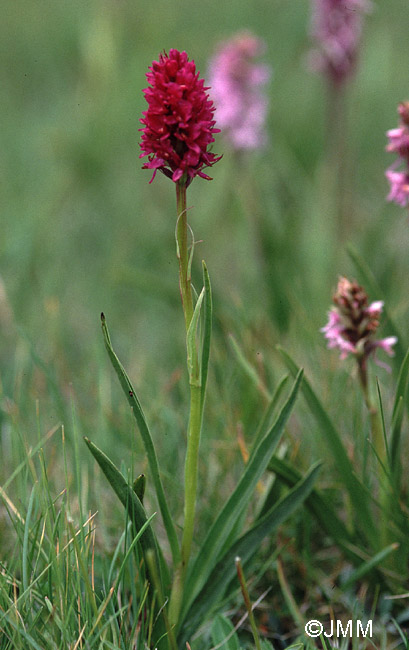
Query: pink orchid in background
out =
(399, 144)
(179, 123)
(336, 27)
(237, 88)
(352, 324)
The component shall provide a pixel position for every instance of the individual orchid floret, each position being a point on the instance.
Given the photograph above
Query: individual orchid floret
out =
(179, 123)
(336, 28)
(399, 144)
(238, 89)
(352, 323)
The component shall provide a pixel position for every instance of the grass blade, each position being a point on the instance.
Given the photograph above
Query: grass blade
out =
(332, 439)
(368, 566)
(267, 417)
(397, 417)
(26, 537)
(248, 369)
(147, 441)
(219, 532)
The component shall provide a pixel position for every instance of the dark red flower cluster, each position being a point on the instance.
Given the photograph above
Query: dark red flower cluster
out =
(179, 124)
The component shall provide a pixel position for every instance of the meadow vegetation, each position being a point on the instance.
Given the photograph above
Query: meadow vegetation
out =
(83, 232)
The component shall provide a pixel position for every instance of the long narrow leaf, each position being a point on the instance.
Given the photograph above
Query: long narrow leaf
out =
(332, 439)
(248, 369)
(131, 502)
(397, 417)
(245, 547)
(220, 530)
(147, 441)
(265, 422)
(367, 567)
(26, 537)
(402, 382)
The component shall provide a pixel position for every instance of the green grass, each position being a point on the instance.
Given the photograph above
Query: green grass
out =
(83, 232)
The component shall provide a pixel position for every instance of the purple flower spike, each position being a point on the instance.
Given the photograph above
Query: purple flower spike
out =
(336, 28)
(352, 324)
(237, 90)
(399, 144)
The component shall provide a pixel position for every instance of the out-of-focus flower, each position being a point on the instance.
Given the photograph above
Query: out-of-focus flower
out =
(399, 187)
(399, 141)
(352, 323)
(336, 27)
(237, 88)
(399, 144)
(179, 123)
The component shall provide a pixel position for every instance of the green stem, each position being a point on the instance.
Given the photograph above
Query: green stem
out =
(183, 253)
(195, 416)
(191, 467)
(379, 447)
(374, 415)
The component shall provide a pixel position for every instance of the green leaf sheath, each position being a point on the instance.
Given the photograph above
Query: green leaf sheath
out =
(245, 547)
(220, 530)
(191, 347)
(207, 334)
(332, 439)
(147, 441)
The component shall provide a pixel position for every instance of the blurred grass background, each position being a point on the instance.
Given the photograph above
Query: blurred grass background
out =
(82, 231)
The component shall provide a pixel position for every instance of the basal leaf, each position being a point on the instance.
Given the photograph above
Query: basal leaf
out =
(147, 441)
(131, 502)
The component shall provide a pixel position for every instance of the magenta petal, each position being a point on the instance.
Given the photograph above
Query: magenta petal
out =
(177, 175)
